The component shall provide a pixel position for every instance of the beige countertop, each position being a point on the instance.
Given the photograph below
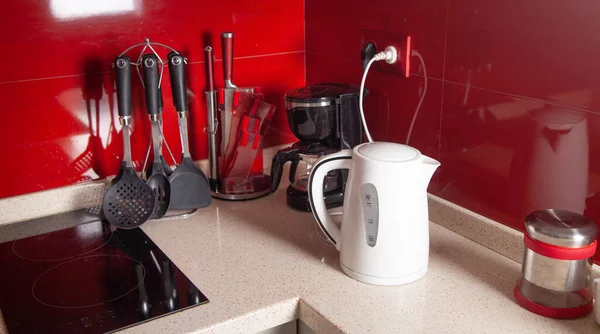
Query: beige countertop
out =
(262, 264)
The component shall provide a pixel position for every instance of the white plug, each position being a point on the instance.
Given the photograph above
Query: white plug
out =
(391, 54)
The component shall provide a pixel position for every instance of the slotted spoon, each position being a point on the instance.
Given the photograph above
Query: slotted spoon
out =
(157, 180)
(130, 201)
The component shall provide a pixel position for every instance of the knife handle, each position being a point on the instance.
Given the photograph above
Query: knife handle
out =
(210, 72)
(178, 84)
(151, 78)
(123, 77)
(227, 49)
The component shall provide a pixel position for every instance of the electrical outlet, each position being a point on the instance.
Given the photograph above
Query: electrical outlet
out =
(382, 39)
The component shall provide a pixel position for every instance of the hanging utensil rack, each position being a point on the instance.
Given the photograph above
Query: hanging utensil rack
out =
(151, 46)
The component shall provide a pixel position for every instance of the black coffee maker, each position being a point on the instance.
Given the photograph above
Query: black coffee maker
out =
(326, 119)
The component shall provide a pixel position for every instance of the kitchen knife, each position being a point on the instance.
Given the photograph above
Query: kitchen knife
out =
(230, 88)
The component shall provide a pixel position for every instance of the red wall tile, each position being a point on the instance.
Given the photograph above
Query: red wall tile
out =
(538, 49)
(512, 108)
(57, 83)
(55, 46)
(391, 102)
(342, 34)
(333, 54)
(505, 156)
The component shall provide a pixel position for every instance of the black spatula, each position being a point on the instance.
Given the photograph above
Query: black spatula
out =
(189, 185)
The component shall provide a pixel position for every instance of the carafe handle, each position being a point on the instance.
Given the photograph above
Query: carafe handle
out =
(327, 163)
(283, 156)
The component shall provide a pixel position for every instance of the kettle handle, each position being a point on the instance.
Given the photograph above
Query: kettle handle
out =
(327, 163)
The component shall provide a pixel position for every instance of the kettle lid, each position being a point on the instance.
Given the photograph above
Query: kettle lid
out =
(388, 152)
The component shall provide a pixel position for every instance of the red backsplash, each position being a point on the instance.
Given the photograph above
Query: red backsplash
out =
(511, 108)
(57, 84)
(512, 104)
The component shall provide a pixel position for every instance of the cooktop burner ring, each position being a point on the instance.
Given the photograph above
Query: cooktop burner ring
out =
(140, 281)
(104, 227)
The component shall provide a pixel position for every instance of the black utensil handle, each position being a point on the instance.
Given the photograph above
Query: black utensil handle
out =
(160, 100)
(227, 51)
(283, 156)
(178, 84)
(123, 77)
(151, 78)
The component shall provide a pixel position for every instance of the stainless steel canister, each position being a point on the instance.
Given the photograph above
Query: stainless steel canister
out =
(558, 258)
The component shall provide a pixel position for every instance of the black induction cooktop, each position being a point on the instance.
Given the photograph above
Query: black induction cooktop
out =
(91, 278)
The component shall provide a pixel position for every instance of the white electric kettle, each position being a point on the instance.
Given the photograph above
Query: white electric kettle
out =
(384, 238)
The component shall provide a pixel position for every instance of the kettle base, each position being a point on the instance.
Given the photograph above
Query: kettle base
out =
(383, 280)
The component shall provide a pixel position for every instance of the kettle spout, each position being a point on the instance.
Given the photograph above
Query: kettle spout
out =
(429, 167)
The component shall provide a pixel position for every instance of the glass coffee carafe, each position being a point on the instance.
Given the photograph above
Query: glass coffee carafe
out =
(301, 171)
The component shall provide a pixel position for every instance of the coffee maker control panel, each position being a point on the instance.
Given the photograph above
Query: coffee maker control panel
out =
(370, 209)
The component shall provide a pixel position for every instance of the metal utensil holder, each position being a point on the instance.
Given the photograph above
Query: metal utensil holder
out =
(261, 182)
(147, 45)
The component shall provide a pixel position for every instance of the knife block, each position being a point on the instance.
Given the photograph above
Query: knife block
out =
(237, 172)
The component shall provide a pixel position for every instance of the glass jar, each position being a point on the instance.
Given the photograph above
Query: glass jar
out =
(557, 264)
